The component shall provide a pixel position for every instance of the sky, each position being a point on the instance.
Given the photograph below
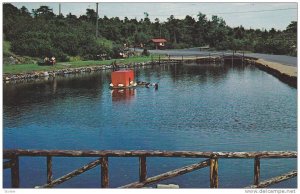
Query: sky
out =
(250, 15)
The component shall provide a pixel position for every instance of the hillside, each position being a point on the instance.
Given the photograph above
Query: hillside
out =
(41, 33)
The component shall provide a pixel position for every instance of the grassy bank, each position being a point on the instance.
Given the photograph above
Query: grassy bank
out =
(25, 68)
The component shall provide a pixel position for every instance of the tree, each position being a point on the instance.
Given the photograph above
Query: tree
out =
(239, 32)
(173, 28)
(43, 33)
(217, 31)
(157, 28)
(292, 27)
(91, 15)
(43, 12)
(24, 12)
(189, 30)
(201, 29)
(71, 17)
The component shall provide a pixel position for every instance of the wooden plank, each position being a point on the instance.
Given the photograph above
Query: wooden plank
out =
(7, 164)
(274, 180)
(143, 168)
(256, 171)
(71, 174)
(15, 174)
(168, 175)
(104, 172)
(49, 169)
(148, 153)
(214, 178)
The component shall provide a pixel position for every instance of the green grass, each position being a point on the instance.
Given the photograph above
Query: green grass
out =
(26, 68)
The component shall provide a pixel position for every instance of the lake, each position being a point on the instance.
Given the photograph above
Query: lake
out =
(196, 107)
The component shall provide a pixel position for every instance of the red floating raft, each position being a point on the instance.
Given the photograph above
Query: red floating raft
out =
(122, 79)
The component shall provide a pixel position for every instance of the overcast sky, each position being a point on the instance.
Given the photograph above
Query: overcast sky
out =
(250, 15)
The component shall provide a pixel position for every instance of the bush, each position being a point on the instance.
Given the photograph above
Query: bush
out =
(63, 57)
(6, 49)
(75, 58)
(87, 57)
(116, 50)
(177, 45)
(145, 52)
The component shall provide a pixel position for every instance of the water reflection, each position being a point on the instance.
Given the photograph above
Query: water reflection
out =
(123, 94)
(25, 96)
(203, 72)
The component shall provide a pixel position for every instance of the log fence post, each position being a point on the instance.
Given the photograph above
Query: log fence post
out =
(104, 172)
(214, 179)
(143, 168)
(49, 169)
(256, 170)
(15, 174)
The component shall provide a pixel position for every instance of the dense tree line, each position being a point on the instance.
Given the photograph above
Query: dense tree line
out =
(41, 33)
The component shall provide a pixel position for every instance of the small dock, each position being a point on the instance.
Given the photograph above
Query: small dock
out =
(223, 57)
(209, 160)
(285, 73)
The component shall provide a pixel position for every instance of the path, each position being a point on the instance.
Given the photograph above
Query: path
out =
(282, 59)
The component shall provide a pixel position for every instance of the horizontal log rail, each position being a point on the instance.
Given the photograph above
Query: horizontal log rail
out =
(212, 160)
(137, 153)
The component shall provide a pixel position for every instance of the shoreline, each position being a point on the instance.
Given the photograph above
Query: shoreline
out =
(285, 73)
(10, 77)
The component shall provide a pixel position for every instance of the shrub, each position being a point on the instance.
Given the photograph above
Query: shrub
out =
(75, 58)
(145, 52)
(6, 49)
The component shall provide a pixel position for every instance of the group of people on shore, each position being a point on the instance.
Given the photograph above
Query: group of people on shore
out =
(50, 61)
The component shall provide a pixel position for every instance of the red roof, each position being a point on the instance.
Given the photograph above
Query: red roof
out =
(158, 40)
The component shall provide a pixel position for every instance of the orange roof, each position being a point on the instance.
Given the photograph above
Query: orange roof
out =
(158, 40)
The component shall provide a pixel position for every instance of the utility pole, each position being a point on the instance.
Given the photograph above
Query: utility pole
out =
(59, 10)
(97, 20)
(159, 30)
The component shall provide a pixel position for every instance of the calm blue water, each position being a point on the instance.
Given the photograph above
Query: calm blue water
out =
(197, 108)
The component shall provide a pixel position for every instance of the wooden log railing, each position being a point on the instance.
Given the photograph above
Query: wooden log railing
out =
(103, 155)
(274, 180)
(71, 174)
(168, 175)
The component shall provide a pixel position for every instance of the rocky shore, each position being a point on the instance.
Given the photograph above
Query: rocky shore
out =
(61, 72)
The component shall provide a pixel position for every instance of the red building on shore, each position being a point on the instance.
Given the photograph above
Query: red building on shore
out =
(159, 43)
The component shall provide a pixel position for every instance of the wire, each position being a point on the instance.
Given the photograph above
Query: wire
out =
(254, 11)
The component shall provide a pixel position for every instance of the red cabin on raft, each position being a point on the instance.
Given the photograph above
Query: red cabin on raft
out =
(122, 79)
